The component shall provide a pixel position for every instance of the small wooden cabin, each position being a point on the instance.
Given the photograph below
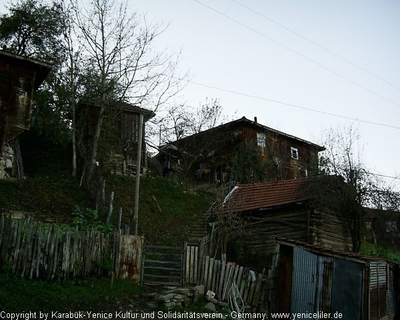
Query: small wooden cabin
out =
(118, 145)
(19, 78)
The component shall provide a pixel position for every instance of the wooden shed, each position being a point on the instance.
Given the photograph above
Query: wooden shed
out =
(284, 209)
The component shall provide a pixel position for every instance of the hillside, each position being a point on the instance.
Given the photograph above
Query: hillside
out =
(166, 210)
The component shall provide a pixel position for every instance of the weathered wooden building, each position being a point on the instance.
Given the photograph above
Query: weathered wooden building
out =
(283, 208)
(207, 156)
(332, 284)
(19, 78)
(383, 228)
(119, 139)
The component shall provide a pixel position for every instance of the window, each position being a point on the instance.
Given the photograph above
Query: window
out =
(294, 153)
(261, 140)
(391, 226)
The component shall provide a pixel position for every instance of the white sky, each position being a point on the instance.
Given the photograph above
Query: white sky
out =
(282, 77)
(225, 45)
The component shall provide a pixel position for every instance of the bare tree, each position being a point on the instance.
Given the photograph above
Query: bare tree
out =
(180, 120)
(121, 63)
(349, 186)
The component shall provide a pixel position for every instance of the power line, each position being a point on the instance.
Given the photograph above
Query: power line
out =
(298, 53)
(293, 105)
(317, 44)
(384, 176)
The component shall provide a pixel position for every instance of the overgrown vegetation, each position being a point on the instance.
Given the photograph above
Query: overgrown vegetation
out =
(380, 251)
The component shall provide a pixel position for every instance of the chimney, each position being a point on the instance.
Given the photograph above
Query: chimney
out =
(255, 119)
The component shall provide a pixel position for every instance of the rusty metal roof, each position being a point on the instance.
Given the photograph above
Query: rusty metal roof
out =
(246, 197)
(358, 257)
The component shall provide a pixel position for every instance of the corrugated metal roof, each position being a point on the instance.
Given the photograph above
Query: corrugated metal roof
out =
(266, 195)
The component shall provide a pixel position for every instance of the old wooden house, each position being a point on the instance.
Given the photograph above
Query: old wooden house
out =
(206, 157)
(282, 208)
(383, 228)
(19, 78)
(331, 284)
(119, 140)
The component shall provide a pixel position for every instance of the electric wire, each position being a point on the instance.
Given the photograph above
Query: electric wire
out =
(294, 105)
(317, 44)
(299, 54)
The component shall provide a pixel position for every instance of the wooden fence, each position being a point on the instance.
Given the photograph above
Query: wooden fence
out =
(34, 249)
(220, 277)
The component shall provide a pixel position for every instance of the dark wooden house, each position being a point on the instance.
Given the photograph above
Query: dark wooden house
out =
(119, 139)
(207, 156)
(19, 78)
(284, 209)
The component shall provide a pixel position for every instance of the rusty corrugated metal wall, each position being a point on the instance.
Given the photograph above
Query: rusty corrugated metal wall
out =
(130, 257)
(328, 284)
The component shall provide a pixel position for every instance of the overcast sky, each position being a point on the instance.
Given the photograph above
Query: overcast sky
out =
(298, 66)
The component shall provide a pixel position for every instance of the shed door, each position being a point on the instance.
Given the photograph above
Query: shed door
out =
(304, 281)
(347, 289)
(324, 285)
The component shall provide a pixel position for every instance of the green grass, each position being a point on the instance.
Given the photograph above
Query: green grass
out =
(92, 294)
(166, 210)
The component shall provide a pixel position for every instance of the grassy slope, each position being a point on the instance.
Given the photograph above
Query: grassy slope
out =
(52, 193)
(166, 210)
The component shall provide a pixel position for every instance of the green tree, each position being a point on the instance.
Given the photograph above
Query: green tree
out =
(248, 163)
(33, 29)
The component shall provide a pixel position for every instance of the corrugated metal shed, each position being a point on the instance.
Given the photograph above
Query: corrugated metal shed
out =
(358, 287)
(304, 280)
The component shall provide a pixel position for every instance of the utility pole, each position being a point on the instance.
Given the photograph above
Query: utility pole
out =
(138, 165)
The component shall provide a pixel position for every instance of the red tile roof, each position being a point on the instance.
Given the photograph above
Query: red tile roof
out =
(254, 196)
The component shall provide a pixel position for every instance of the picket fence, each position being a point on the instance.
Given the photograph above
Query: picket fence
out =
(220, 277)
(33, 249)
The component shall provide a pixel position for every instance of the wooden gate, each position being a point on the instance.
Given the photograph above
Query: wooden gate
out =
(163, 265)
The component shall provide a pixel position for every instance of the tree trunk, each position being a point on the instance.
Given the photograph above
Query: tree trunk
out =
(91, 164)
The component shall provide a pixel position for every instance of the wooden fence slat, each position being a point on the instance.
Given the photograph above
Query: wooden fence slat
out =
(257, 291)
(221, 279)
(196, 264)
(205, 273)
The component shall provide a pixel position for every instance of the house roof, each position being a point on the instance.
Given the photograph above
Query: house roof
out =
(124, 106)
(42, 69)
(261, 127)
(258, 196)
